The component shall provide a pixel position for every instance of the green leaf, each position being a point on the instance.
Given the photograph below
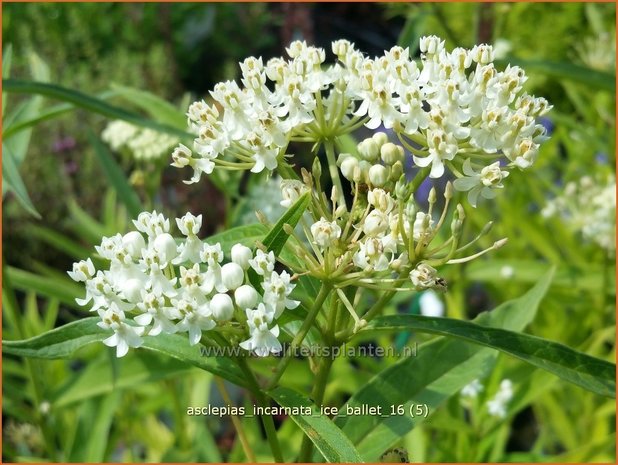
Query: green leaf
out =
(62, 342)
(12, 179)
(87, 102)
(7, 59)
(157, 108)
(439, 370)
(593, 374)
(563, 70)
(137, 368)
(65, 291)
(277, 237)
(328, 438)
(529, 272)
(116, 177)
(59, 241)
(246, 235)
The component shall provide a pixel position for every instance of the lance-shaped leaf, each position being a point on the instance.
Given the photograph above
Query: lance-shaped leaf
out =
(332, 443)
(62, 342)
(440, 369)
(591, 373)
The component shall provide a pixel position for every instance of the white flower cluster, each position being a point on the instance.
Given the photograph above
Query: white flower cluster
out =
(497, 405)
(155, 285)
(588, 206)
(142, 143)
(448, 109)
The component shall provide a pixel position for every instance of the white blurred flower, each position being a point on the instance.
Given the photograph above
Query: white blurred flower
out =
(430, 304)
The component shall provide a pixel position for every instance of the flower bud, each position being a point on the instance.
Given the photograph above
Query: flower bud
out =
(131, 289)
(316, 169)
(396, 171)
(348, 166)
(378, 175)
(391, 153)
(134, 243)
(232, 275)
(241, 255)
(246, 297)
(222, 307)
(368, 150)
(165, 245)
(380, 138)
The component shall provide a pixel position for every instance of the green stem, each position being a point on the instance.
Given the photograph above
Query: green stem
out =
(300, 336)
(267, 420)
(240, 431)
(332, 168)
(317, 394)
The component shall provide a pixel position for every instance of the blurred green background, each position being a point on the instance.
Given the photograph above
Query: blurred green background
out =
(86, 411)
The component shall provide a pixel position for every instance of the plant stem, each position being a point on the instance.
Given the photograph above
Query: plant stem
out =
(240, 431)
(317, 394)
(300, 336)
(267, 420)
(332, 168)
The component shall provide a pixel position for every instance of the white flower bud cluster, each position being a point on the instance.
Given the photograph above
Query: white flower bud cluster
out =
(497, 405)
(589, 207)
(377, 164)
(141, 143)
(156, 285)
(452, 107)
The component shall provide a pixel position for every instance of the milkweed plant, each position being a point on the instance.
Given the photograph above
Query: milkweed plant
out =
(454, 115)
(358, 228)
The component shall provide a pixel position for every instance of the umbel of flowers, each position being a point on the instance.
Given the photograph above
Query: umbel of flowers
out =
(449, 114)
(154, 285)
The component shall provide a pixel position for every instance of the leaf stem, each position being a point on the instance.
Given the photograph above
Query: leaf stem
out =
(300, 336)
(237, 424)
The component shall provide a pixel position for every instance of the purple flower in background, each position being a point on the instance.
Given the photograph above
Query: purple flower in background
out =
(64, 144)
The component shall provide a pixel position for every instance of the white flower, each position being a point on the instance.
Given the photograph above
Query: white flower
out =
(430, 304)
(325, 233)
(263, 263)
(291, 190)
(498, 404)
(189, 225)
(424, 276)
(375, 254)
(442, 146)
(472, 389)
(277, 288)
(246, 297)
(124, 336)
(156, 312)
(195, 318)
(241, 255)
(376, 223)
(222, 307)
(263, 341)
(82, 271)
(152, 224)
(483, 183)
